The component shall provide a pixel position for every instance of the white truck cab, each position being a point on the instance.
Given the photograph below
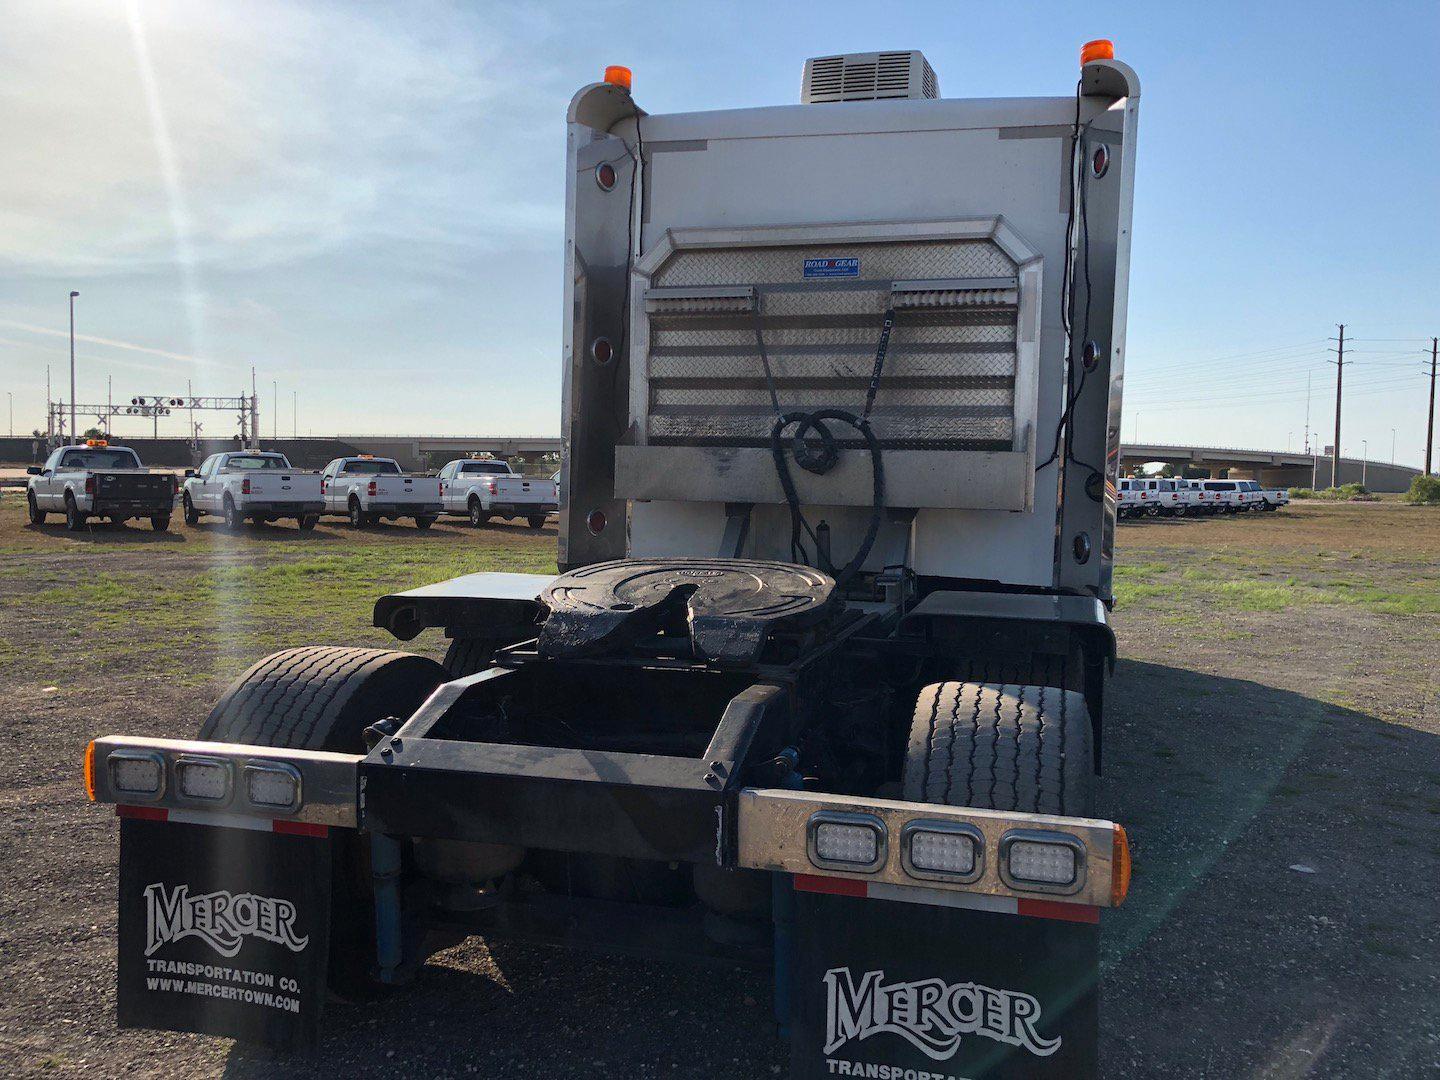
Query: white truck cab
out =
(485, 488)
(99, 480)
(366, 489)
(251, 485)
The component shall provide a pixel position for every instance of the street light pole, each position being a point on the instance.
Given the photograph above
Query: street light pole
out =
(73, 295)
(11, 396)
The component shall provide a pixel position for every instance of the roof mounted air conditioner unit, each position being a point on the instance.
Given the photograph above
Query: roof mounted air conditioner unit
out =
(877, 76)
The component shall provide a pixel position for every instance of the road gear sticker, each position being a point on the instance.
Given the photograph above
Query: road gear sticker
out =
(223, 931)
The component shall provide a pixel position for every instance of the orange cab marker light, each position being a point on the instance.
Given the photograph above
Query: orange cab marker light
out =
(90, 769)
(1099, 49)
(1119, 867)
(616, 75)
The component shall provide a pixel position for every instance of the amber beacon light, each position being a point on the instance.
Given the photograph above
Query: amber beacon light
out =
(1099, 49)
(619, 76)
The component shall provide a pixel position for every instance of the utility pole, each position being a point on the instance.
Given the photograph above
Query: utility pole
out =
(50, 411)
(1364, 460)
(1339, 383)
(275, 416)
(1307, 412)
(109, 403)
(294, 414)
(73, 295)
(1430, 428)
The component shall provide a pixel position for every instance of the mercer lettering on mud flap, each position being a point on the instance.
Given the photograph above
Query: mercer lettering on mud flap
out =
(221, 919)
(931, 1014)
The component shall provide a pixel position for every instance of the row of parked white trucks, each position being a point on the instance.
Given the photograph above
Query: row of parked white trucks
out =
(102, 481)
(1176, 497)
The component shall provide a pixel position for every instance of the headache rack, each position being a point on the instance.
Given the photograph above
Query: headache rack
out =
(955, 411)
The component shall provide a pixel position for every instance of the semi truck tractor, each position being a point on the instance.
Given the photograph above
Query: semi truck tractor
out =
(819, 684)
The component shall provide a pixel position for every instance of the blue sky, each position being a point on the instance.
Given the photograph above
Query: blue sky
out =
(364, 201)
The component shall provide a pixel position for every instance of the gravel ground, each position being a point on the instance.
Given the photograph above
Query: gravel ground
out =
(1277, 707)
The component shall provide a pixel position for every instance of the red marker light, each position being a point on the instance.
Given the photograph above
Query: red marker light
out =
(596, 522)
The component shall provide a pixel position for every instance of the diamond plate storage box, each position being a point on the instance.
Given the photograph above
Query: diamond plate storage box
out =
(959, 377)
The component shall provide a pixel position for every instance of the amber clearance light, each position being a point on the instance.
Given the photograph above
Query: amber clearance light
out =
(1099, 49)
(1119, 867)
(90, 769)
(616, 75)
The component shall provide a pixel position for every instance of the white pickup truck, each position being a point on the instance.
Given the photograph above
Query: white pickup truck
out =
(1270, 498)
(366, 489)
(485, 488)
(251, 485)
(99, 480)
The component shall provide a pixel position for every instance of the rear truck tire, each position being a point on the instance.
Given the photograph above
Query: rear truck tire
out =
(307, 523)
(1180, 511)
(356, 514)
(1152, 511)
(37, 516)
(536, 521)
(1001, 747)
(74, 516)
(233, 518)
(321, 698)
(424, 522)
(187, 508)
(477, 515)
(160, 522)
(468, 656)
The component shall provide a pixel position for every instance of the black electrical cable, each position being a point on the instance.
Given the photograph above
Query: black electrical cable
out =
(822, 459)
(1064, 428)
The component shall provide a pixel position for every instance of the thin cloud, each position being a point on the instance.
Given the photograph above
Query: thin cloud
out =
(89, 339)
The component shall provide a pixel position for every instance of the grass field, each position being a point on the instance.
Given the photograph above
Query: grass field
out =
(1277, 706)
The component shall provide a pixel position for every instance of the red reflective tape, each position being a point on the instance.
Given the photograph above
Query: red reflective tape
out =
(144, 813)
(837, 886)
(300, 828)
(1054, 909)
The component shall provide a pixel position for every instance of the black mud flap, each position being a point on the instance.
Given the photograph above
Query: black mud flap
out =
(223, 931)
(902, 991)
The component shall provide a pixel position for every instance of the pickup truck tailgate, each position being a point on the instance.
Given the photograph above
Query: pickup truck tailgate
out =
(405, 489)
(133, 489)
(519, 490)
(283, 487)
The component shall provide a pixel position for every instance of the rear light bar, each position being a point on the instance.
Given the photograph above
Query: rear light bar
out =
(991, 853)
(316, 787)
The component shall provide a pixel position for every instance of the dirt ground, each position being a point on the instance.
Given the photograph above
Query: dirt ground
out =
(1272, 746)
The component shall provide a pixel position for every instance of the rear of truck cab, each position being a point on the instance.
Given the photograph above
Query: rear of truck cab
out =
(821, 685)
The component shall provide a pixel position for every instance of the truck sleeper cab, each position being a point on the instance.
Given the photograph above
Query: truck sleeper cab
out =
(815, 688)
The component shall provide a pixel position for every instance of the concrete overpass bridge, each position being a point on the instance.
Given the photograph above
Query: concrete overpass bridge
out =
(1273, 468)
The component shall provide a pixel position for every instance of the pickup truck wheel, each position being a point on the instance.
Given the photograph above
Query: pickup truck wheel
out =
(74, 516)
(233, 518)
(1001, 747)
(319, 698)
(37, 516)
(536, 521)
(1152, 511)
(357, 515)
(160, 522)
(187, 508)
(308, 523)
(478, 517)
(424, 522)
